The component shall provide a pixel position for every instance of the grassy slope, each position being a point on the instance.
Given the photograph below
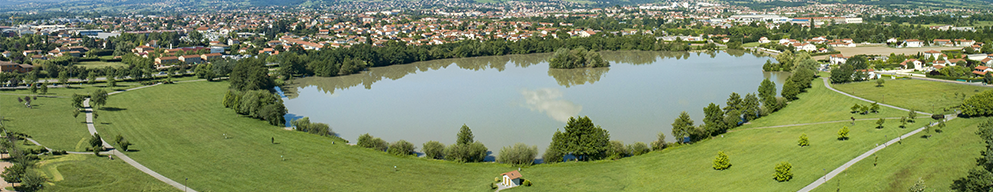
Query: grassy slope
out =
(50, 120)
(91, 173)
(100, 64)
(913, 94)
(820, 104)
(938, 161)
(178, 133)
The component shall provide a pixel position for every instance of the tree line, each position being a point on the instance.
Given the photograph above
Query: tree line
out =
(576, 58)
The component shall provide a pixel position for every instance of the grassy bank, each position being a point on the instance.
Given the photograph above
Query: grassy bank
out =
(92, 173)
(919, 95)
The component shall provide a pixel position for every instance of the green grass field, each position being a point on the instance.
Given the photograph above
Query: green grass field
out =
(100, 64)
(751, 44)
(49, 120)
(820, 104)
(919, 95)
(944, 157)
(92, 173)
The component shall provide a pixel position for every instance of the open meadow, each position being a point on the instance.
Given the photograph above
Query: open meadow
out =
(920, 95)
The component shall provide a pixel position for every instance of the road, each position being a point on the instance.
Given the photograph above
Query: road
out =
(848, 164)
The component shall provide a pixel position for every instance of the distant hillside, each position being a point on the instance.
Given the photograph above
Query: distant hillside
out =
(926, 4)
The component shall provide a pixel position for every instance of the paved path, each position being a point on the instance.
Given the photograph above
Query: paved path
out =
(122, 156)
(845, 166)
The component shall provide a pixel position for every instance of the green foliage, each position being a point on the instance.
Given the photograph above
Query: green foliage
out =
(750, 107)
(44, 88)
(527, 182)
(519, 154)
(856, 108)
(977, 180)
(879, 82)
(259, 104)
(251, 74)
(576, 58)
(473, 152)
(842, 74)
(979, 104)
(617, 150)
(14, 174)
(682, 126)
(552, 155)
(722, 161)
(803, 142)
(111, 82)
(34, 88)
(638, 148)
(582, 139)
(659, 143)
(434, 150)
(64, 78)
(874, 107)
(401, 148)
(879, 123)
(465, 135)
(99, 97)
(714, 119)
(843, 133)
(368, 141)
(783, 172)
(903, 122)
(767, 93)
(304, 124)
(95, 141)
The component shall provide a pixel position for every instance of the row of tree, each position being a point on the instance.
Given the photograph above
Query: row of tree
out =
(259, 104)
(576, 58)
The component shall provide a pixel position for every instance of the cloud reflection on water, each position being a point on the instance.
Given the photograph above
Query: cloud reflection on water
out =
(550, 102)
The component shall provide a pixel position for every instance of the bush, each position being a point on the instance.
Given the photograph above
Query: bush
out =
(493, 186)
(783, 172)
(434, 150)
(473, 152)
(843, 133)
(803, 140)
(527, 182)
(979, 104)
(722, 161)
(660, 143)
(638, 148)
(552, 156)
(617, 150)
(401, 148)
(368, 141)
(519, 155)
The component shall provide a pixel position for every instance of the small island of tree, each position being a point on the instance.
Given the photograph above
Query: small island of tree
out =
(576, 58)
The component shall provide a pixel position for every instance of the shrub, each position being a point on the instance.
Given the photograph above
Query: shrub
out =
(493, 186)
(401, 148)
(434, 150)
(638, 148)
(783, 172)
(979, 104)
(722, 161)
(473, 152)
(552, 156)
(527, 182)
(803, 140)
(519, 154)
(843, 133)
(368, 141)
(617, 150)
(660, 143)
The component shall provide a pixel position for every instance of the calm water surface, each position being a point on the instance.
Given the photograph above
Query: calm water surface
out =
(517, 98)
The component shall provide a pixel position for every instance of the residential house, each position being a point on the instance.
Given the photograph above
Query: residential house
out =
(164, 61)
(764, 40)
(913, 43)
(837, 59)
(943, 42)
(934, 54)
(805, 47)
(982, 70)
(190, 59)
(913, 64)
(511, 179)
(965, 43)
(952, 62)
(210, 57)
(6, 66)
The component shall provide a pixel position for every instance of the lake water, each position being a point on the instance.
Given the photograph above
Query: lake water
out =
(517, 98)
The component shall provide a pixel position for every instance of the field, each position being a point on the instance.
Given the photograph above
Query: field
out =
(100, 64)
(92, 173)
(919, 95)
(944, 157)
(883, 50)
(49, 120)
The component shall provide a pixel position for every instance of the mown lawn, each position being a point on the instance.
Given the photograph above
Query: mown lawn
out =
(920, 95)
(100, 64)
(938, 161)
(92, 173)
(49, 120)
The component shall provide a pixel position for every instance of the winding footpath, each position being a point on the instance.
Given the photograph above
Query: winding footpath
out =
(845, 166)
(122, 156)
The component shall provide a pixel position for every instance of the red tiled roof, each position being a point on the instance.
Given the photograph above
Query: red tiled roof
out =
(512, 174)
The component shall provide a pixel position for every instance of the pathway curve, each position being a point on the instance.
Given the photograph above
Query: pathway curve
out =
(845, 166)
(122, 156)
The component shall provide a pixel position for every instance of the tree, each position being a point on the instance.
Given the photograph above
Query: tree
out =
(722, 161)
(856, 108)
(659, 143)
(903, 122)
(767, 93)
(638, 148)
(552, 155)
(988, 78)
(14, 174)
(842, 74)
(64, 78)
(682, 127)
(874, 107)
(918, 186)
(978, 180)
(714, 119)
(31, 181)
(44, 88)
(879, 123)
(751, 107)
(519, 154)
(473, 152)
(583, 139)
(879, 82)
(96, 143)
(912, 115)
(111, 82)
(734, 104)
(803, 142)
(434, 150)
(979, 104)
(401, 148)
(465, 135)
(99, 97)
(368, 141)
(843, 133)
(34, 88)
(783, 172)
(790, 90)
(92, 78)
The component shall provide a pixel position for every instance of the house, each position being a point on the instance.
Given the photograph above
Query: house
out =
(891, 41)
(805, 47)
(764, 40)
(913, 64)
(190, 59)
(837, 59)
(934, 54)
(14, 67)
(210, 57)
(162, 61)
(913, 43)
(965, 43)
(982, 70)
(943, 42)
(952, 62)
(511, 179)
(987, 61)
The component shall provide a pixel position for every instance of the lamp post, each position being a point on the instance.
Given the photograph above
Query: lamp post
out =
(184, 185)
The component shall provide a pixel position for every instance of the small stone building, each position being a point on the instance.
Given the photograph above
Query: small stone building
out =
(512, 178)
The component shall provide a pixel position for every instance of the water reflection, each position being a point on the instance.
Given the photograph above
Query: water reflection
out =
(550, 102)
(565, 77)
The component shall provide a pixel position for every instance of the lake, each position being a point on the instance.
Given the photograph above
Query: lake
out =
(517, 98)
